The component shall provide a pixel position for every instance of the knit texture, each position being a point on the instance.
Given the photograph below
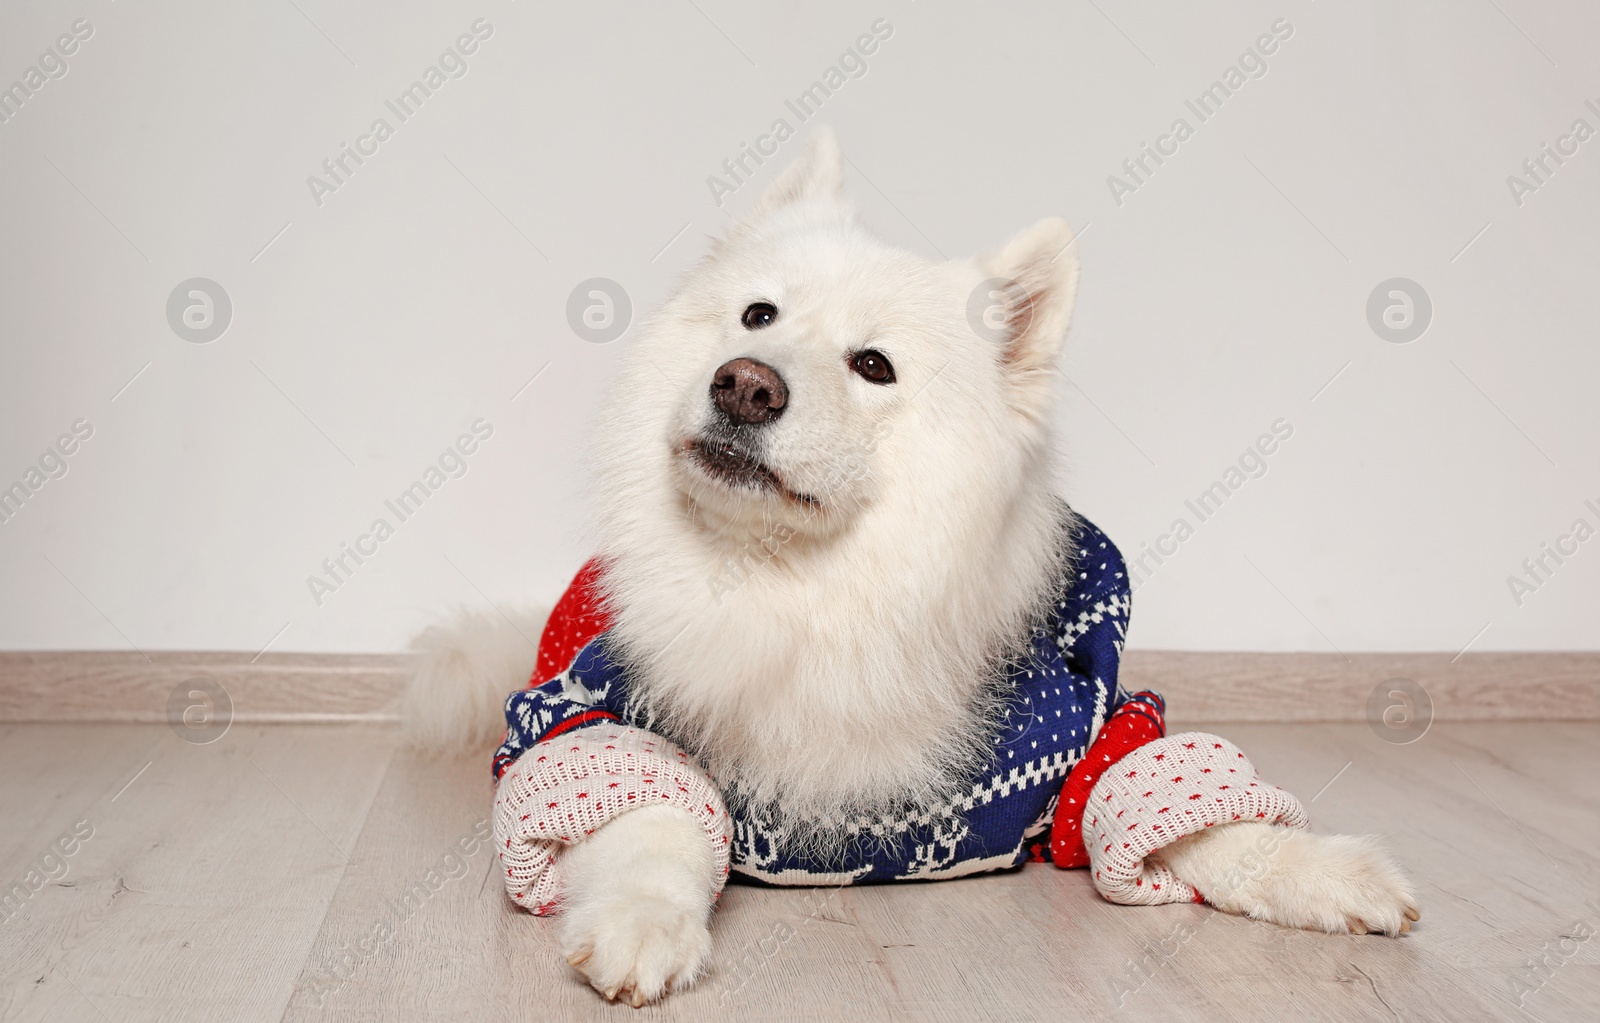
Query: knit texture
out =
(578, 617)
(571, 785)
(1142, 719)
(1061, 690)
(1164, 791)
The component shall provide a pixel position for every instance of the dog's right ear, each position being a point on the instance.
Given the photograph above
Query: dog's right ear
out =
(817, 176)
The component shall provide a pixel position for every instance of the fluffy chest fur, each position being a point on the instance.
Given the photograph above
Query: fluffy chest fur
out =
(837, 677)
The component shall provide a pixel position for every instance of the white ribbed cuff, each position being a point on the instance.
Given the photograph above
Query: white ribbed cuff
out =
(565, 788)
(1161, 792)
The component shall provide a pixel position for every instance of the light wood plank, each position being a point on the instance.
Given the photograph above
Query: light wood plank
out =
(446, 941)
(49, 781)
(204, 882)
(1472, 809)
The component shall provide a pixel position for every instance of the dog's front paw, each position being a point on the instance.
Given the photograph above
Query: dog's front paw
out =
(637, 903)
(1335, 883)
(638, 949)
(1332, 883)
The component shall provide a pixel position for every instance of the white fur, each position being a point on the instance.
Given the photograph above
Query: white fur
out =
(637, 903)
(1333, 883)
(822, 649)
(461, 674)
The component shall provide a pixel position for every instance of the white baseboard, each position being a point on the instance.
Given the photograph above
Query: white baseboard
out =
(51, 685)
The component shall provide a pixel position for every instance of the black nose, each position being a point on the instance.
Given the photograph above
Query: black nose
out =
(748, 392)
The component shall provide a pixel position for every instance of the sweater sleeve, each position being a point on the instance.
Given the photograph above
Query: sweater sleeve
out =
(1139, 720)
(1166, 790)
(570, 785)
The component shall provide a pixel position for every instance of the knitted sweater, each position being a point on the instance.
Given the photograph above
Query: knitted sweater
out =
(576, 755)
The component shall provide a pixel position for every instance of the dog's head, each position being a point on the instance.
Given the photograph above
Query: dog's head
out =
(826, 501)
(805, 372)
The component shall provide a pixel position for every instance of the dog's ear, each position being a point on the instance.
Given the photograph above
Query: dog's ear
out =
(1024, 306)
(818, 174)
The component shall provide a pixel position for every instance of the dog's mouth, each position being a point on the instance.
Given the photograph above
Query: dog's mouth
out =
(735, 467)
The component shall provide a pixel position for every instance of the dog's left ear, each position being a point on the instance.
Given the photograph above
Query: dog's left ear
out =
(817, 177)
(1025, 305)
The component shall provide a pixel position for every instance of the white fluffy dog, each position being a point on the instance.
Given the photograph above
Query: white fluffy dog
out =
(827, 516)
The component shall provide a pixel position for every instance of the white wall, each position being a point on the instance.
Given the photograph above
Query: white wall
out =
(1222, 295)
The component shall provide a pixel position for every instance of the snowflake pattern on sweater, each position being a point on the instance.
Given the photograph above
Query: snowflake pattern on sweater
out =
(1062, 690)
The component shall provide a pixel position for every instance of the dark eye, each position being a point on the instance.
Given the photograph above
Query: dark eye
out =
(761, 314)
(873, 367)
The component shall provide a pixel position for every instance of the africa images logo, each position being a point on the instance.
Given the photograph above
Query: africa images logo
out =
(452, 63)
(1252, 63)
(852, 63)
(51, 65)
(199, 310)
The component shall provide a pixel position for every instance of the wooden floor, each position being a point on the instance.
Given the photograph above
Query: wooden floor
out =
(247, 879)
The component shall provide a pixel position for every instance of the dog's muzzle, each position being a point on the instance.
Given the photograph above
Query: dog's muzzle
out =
(731, 464)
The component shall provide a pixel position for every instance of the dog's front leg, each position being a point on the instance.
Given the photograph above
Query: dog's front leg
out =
(1333, 883)
(637, 902)
(1187, 815)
